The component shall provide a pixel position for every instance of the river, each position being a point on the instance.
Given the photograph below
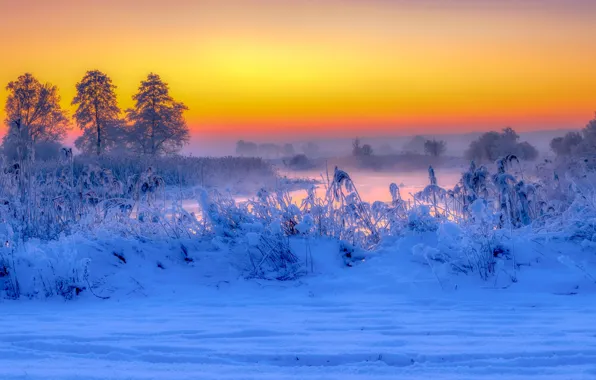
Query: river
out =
(372, 186)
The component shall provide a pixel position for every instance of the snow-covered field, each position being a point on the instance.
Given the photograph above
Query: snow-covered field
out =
(388, 318)
(246, 331)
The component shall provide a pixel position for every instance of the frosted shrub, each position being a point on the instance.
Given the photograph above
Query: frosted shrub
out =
(277, 206)
(474, 247)
(316, 208)
(53, 271)
(9, 283)
(434, 195)
(272, 258)
(473, 186)
(482, 245)
(35, 269)
(421, 220)
(221, 216)
(391, 218)
(578, 221)
(485, 208)
(348, 212)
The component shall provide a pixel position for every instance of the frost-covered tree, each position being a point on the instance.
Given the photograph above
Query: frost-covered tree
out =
(589, 137)
(492, 145)
(361, 150)
(97, 114)
(415, 145)
(435, 148)
(575, 143)
(356, 147)
(311, 149)
(288, 150)
(33, 116)
(246, 148)
(366, 150)
(269, 150)
(526, 151)
(299, 162)
(114, 136)
(566, 145)
(158, 125)
(385, 149)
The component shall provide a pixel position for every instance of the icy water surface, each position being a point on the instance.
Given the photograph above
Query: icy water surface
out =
(372, 186)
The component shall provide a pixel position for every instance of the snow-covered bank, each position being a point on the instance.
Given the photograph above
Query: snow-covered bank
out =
(245, 331)
(107, 265)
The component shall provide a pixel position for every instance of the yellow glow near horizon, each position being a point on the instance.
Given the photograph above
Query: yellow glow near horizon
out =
(264, 66)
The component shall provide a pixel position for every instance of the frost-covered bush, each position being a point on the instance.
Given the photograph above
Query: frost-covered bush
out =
(421, 220)
(476, 246)
(37, 268)
(9, 285)
(272, 258)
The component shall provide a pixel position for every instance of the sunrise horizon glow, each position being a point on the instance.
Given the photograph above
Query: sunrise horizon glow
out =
(318, 69)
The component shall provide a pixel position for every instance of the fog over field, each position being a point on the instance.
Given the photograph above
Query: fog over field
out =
(457, 143)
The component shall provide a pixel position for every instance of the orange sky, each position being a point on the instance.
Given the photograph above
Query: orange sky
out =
(249, 67)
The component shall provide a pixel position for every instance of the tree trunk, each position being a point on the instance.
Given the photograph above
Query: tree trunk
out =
(98, 139)
(98, 126)
(153, 139)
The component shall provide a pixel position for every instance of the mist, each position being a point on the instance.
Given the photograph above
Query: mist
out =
(208, 145)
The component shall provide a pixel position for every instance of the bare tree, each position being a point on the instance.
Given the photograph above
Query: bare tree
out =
(33, 116)
(97, 110)
(435, 148)
(158, 125)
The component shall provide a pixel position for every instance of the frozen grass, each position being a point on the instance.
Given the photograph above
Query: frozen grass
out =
(476, 228)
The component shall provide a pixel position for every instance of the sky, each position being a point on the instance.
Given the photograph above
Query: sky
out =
(258, 69)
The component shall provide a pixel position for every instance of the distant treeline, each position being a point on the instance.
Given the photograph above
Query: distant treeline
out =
(270, 150)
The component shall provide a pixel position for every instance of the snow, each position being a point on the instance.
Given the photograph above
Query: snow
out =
(386, 318)
(297, 334)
